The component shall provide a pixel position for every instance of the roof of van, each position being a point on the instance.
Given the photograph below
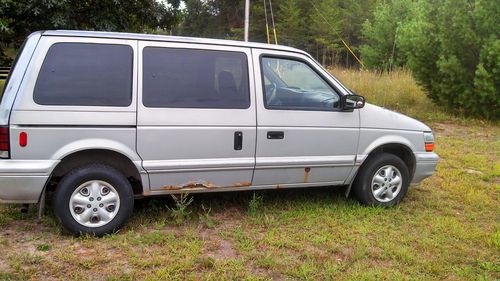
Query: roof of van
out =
(155, 37)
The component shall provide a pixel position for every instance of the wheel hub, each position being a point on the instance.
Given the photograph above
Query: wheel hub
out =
(386, 183)
(94, 203)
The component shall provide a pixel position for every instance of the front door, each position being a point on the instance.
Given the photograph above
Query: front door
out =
(196, 126)
(303, 138)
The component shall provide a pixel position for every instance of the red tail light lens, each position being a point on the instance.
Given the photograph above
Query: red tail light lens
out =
(4, 142)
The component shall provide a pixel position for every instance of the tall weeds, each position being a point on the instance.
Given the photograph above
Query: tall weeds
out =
(396, 90)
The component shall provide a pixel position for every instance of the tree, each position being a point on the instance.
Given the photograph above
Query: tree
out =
(325, 27)
(18, 18)
(354, 13)
(454, 53)
(291, 24)
(213, 18)
(381, 50)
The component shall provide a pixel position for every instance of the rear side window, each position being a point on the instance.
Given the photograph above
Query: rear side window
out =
(188, 78)
(83, 74)
(12, 69)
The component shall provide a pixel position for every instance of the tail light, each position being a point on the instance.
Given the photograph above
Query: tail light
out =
(429, 141)
(4, 142)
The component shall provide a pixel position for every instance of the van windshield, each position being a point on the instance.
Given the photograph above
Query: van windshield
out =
(12, 69)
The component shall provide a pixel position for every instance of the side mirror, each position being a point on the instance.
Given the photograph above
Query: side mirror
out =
(352, 102)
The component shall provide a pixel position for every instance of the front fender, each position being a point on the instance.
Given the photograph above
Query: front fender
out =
(368, 147)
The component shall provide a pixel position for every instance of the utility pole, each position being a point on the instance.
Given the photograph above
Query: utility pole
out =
(247, 18)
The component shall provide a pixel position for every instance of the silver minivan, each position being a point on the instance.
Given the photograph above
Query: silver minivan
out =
(98, 119)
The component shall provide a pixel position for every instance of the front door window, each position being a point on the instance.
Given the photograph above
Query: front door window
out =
(293, 84)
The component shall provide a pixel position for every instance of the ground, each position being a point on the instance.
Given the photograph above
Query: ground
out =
(446, 228)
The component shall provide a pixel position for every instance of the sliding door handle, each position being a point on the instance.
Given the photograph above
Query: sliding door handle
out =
(275, 135)
(238, 140)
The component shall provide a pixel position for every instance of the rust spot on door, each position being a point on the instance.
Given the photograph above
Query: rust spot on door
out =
(242, 184)
(190, 184)
(170, 187)
(202, 184)
(306, 174)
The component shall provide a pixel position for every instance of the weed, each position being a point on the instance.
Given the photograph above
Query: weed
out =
(180, 213)
(43, 247)
(205, 217)
(255, 204)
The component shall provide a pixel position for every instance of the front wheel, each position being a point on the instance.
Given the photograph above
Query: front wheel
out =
(94, 199)
(382, 181)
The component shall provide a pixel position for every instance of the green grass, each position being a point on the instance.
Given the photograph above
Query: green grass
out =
(446, 228)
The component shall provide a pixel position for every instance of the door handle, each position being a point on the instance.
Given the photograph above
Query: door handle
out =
(238, 140)
(275, 135)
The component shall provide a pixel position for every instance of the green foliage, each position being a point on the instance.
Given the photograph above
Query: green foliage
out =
(213, 18)
(292, 22)
(43, 247)
(206, 217)
(380, 49)
(180, 212)
(255, 204)
(452, 48)
(326, 26)
(18, 18)
(454, 52)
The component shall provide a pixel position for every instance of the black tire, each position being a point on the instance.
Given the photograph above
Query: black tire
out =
(72, 180)
(362, 186)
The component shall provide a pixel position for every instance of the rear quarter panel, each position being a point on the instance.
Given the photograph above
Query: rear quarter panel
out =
(57, 131)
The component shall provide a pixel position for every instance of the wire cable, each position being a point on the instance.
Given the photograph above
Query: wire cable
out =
(345, 44)
(272, 20)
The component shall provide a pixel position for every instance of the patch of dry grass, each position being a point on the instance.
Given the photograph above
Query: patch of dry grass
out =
(396, 90)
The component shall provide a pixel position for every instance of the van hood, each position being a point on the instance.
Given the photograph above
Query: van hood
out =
(377, 117)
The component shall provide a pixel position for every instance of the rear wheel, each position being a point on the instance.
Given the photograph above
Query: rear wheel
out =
(94, 199)
(382, 181)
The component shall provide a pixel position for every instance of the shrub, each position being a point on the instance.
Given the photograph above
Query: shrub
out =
(453, 51)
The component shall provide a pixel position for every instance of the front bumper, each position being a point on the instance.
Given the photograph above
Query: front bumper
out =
(425, 166)
(22, 181)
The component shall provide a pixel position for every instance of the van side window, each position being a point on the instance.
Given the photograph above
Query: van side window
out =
(85, 74)
(292, 84)
(189, 78)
